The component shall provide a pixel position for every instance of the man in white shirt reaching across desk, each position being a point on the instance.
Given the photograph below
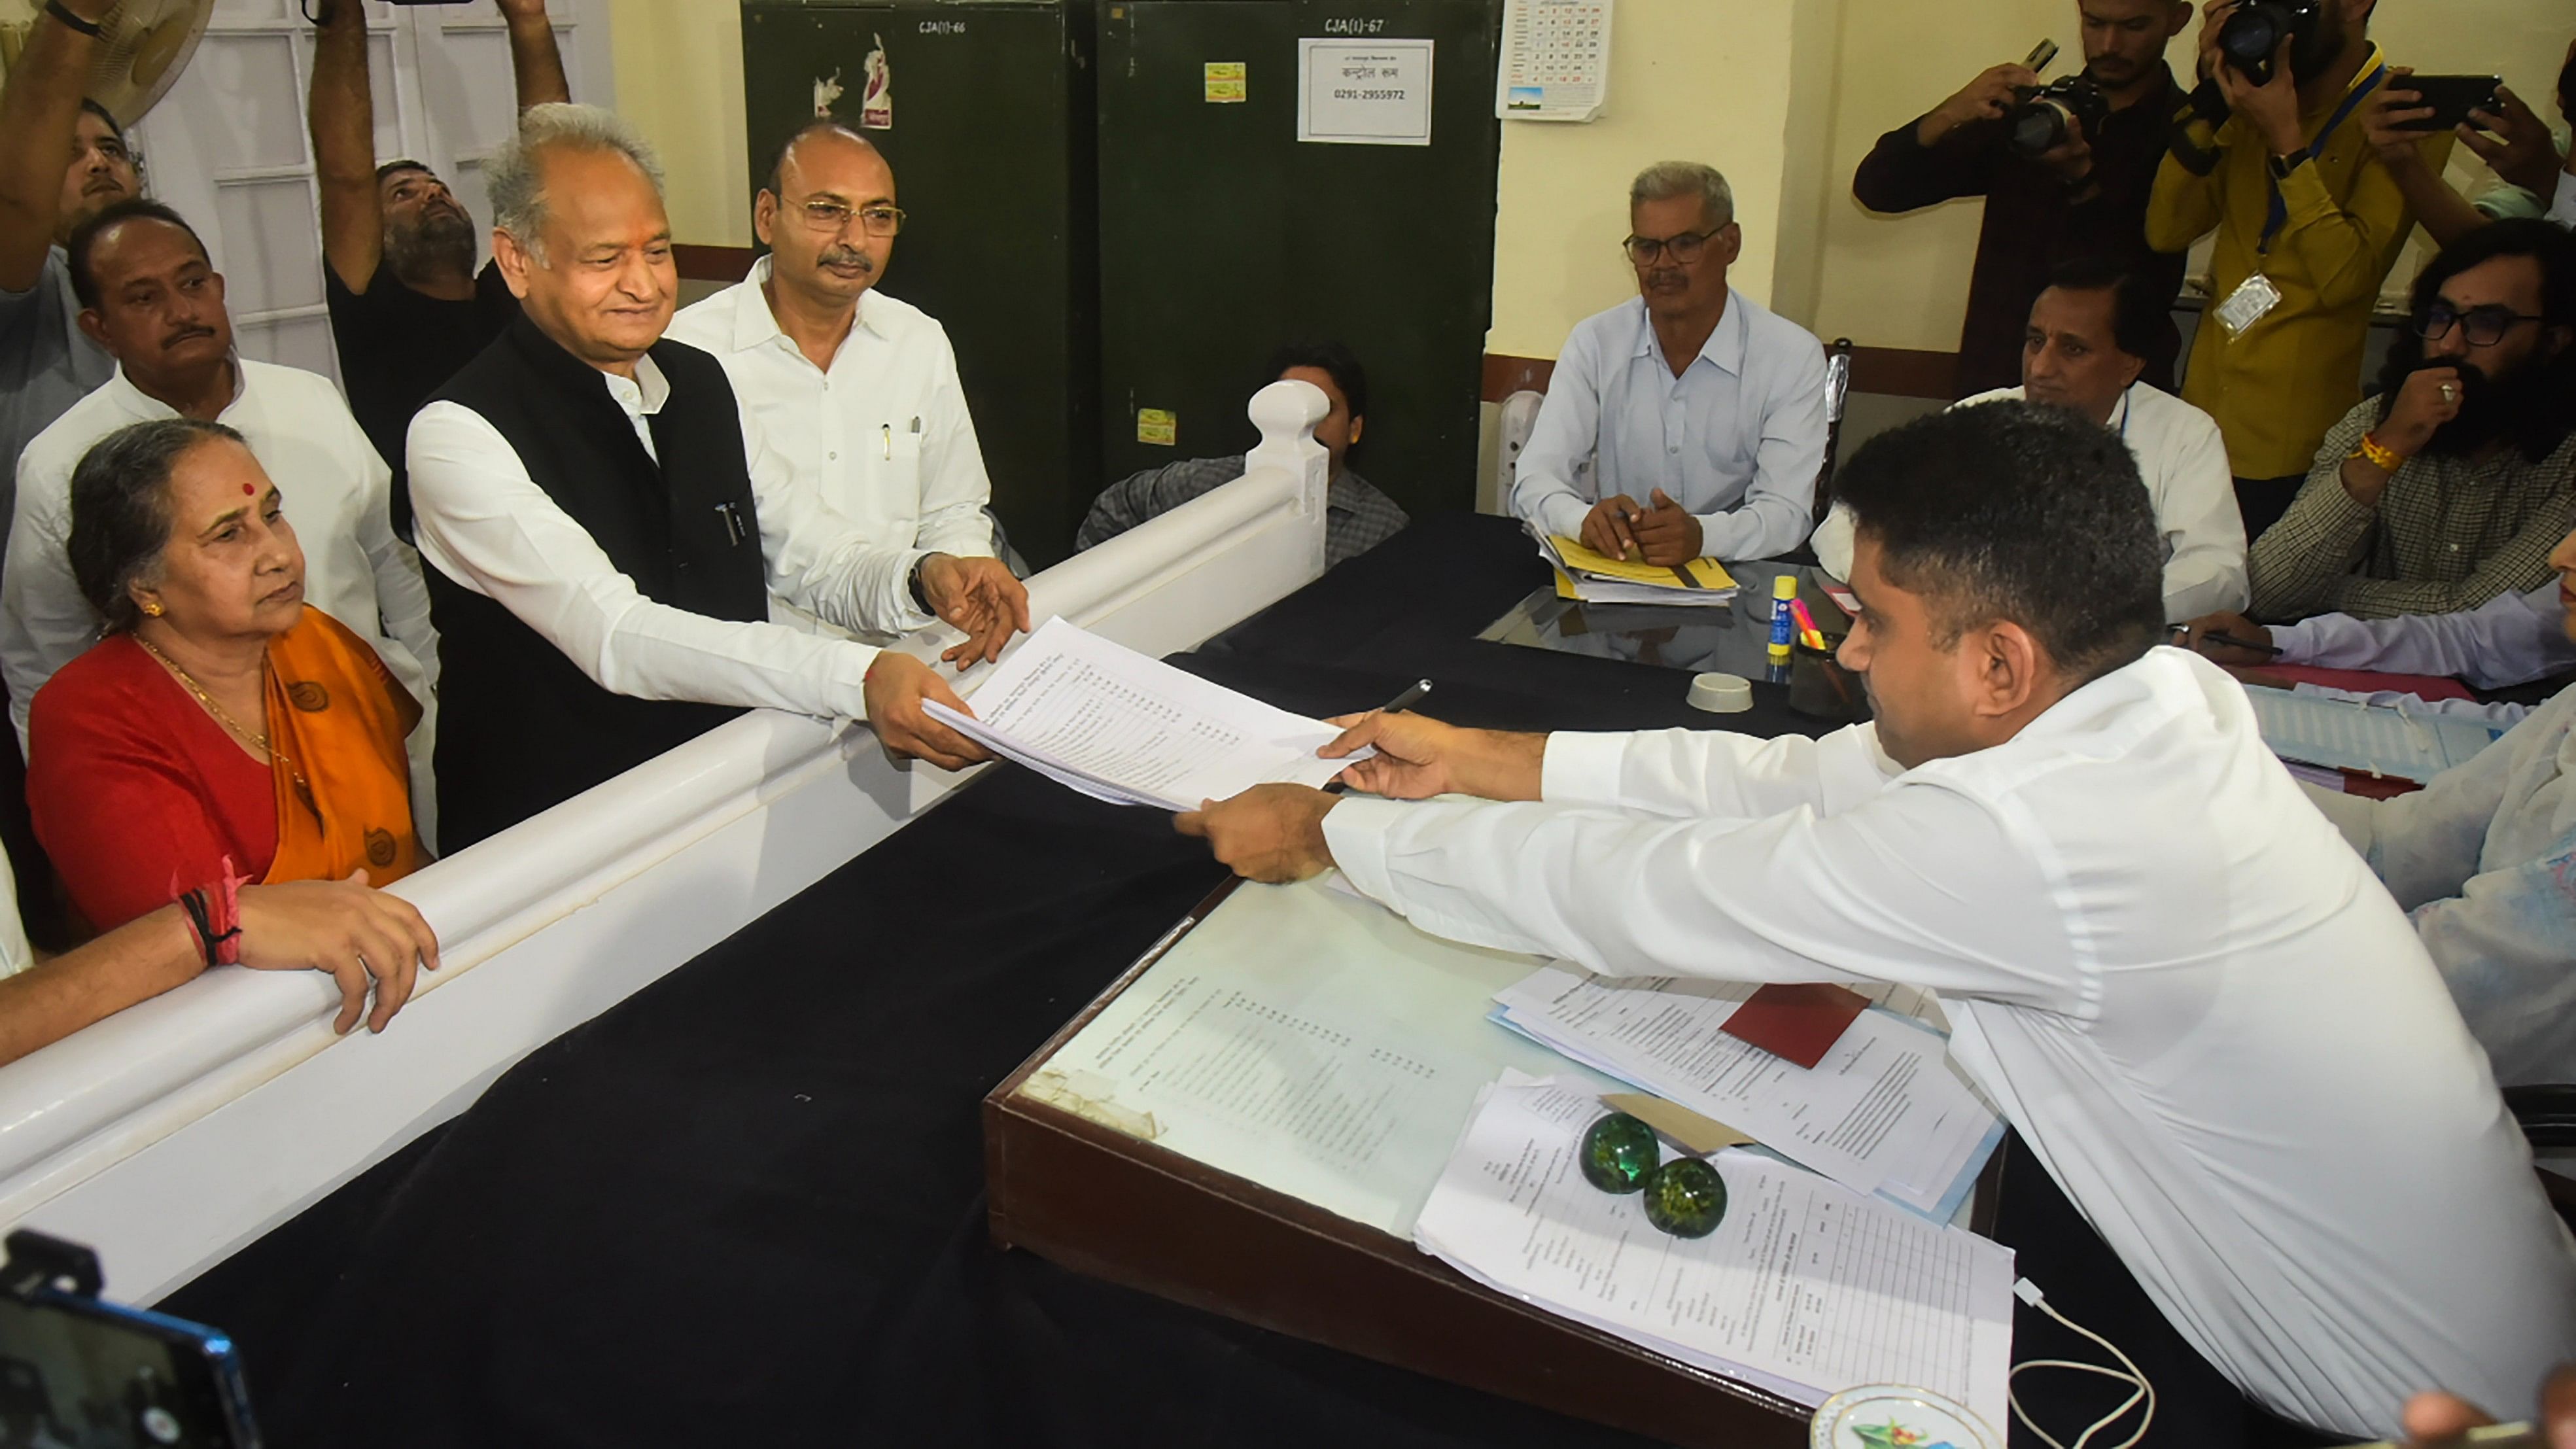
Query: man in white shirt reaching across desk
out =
(1701, 412)
(605, 524)
(2090, 334)
(857, 391)
(2195, 1005)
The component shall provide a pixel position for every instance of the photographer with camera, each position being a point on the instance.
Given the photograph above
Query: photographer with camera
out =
(2065, 168)
(2269, 152)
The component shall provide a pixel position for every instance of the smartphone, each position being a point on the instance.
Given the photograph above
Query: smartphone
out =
(2452, 97)
(74, 1370)
(2040, 55)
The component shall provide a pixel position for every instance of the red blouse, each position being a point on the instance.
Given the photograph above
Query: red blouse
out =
(137, 793)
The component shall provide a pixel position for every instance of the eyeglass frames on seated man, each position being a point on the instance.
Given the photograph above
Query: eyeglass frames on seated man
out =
(833, 216)
(2481, 326)
(1684, 248)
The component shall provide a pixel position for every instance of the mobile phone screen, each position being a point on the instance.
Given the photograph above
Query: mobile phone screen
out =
(79, 1374)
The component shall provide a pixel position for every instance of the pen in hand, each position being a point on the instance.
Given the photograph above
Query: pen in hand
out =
(1402, 702)
(2232, 642)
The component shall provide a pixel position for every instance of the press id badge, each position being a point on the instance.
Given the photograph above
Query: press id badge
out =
(2248, 304)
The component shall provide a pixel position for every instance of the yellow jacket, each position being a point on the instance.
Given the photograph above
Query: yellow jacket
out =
(2276, 389)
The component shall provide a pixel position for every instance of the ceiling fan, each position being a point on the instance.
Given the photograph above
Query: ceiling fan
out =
(143, 47)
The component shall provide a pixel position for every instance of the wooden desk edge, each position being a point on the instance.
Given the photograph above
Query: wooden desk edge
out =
(1117, 1208)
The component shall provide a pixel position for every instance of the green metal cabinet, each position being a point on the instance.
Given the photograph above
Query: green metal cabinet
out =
(1222, 236)
(991, 140)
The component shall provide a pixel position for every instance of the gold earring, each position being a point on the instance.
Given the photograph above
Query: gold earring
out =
(152, 611)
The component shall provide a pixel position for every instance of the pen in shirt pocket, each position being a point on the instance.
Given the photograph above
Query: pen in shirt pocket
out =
(888, 431)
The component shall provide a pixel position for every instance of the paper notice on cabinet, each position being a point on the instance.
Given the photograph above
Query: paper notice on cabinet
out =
(1805, 1288)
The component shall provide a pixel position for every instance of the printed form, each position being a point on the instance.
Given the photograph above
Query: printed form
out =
(1884, 1112)
(1105, 720)
(1805, 1289)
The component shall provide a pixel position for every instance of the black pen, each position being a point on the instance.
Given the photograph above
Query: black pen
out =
(1407, 700)
(2232, 642)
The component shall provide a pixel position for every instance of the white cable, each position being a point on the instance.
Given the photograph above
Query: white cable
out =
(2029, 1293)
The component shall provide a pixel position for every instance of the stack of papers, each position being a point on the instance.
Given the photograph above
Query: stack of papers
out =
(1885, 1113)
(1105, 720)
(1805, 1289)
(2375, 739)
(1597, 578)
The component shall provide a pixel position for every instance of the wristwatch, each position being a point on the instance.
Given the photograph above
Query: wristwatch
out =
(2282, 166)
(920, 600)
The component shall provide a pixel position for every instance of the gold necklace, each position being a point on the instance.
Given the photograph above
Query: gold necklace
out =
(256, 737)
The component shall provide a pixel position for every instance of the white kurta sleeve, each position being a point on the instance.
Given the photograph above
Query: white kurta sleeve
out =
(2425, 845)
(1567, 432)
(44, 622)
(2204, 532)
(1688, 774)
(2509, 639)
(1779, 507)
(485, 523)
(955, 489)
(818, 557)
(1922, 885)
(2506, 944)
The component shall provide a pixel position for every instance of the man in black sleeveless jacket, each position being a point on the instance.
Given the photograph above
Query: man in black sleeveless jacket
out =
(604, 525)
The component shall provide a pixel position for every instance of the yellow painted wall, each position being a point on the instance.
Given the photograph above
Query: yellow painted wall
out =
(679, 77)
(1903, 282)
(1785, 96)
(1690, 80)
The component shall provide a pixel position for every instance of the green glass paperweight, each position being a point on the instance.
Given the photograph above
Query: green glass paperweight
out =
(1620, 1153)
(1686, 1198)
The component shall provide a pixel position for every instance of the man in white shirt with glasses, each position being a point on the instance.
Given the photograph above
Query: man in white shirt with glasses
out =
(1700, 413)
(857, 390)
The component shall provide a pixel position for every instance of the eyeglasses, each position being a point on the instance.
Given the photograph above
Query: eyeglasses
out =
(1684, 1197)
(832, 216)
(2482, 326)
(1684, 249)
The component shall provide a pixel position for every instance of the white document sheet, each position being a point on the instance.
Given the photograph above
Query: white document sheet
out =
(1105, 720)
(1884, 1112)
(2377, 739)
(1805, 1288)
(1307, 1040)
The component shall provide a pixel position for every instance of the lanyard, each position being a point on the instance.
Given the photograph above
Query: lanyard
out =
(2279, 215)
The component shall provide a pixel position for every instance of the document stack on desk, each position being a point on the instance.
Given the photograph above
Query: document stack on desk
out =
(2374, 739)
(1805, 1289)
(1597, 578)
(1105, 720)
(1884, 1112)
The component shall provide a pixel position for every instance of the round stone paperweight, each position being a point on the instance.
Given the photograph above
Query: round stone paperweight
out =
(1686, 1198)
(1620, 1153)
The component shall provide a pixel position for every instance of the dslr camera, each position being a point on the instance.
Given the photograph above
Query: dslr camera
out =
(2039, 124)
(2252, 34)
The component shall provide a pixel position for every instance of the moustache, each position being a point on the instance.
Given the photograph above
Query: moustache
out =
(847, 257)
(185, 334)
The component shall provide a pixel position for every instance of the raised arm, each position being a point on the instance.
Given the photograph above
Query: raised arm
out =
(342, 116)
(535, 63)
(38, 113)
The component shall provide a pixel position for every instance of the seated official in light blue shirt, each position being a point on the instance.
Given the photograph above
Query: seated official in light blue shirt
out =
(1701, 413)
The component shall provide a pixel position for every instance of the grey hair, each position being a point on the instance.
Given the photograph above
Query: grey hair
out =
(514, 177)
(1667, 179)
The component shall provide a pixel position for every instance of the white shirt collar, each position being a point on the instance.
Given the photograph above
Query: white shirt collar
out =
(148, 408)
(1724, 349)
(643, 395)
(754, 325)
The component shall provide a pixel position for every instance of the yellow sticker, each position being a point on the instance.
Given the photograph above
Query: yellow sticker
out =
(1224, 81)
(1158, 425)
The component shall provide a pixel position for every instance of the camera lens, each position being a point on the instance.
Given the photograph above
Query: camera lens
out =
(2038, 128)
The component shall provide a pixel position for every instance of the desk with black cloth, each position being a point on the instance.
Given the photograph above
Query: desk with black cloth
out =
(745, 1205)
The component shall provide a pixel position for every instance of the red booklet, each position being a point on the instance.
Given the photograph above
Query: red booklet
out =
(2363, 681)
(1800, 1023)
